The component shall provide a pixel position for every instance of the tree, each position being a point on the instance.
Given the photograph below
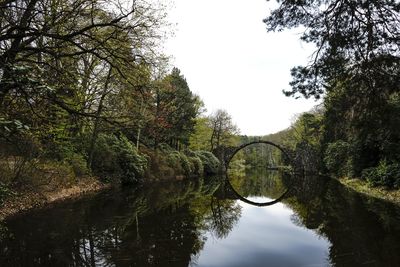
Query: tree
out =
(223, 129)
(356, 40)
(175, 109)
(55, 57)
(200, 138)
(50, 36)
(64, 68)
(356, 66)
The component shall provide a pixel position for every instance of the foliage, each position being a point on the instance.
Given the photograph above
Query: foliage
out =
(210, 162)
(169, 163)
(198, 168)
(78, 164)
(223, 129)
(195, 161)
(356, 40)
(179, 161)
(337, 157)
(368, 122)
(200, 138)
(303, 140)
(5, 192)
(385, 174)
(357, 69)
(74, 73)
(118, 157)
(174, 111)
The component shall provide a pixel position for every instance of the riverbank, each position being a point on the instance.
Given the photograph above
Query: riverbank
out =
(54, 181)
(377, 192)
(28, 199)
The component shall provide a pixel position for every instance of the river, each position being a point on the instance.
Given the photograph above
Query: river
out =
(200, 222)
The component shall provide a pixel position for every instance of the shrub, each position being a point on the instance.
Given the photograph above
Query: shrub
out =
(118, 158)
(5, 192)
(186, 164)
(180, 162)
(78, 164)
(385, 174)
(198, 168)
(336, 158)
(173, 160)
(158, 166)
(18, 158)
(210, 162)
(165, 148)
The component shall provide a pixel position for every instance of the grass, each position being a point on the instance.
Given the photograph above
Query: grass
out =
(377, 192)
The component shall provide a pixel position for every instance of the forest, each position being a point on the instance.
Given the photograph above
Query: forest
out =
(86, 91)
(355, 69)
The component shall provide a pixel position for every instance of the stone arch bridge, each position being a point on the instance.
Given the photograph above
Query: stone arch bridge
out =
(226, 153)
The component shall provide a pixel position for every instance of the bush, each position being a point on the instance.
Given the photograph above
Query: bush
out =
(5, 192)
(186, 164)
(78, 164)
(119, 158)
(336, 158)
(65, 152)
(198, 168)
(210, 162)
(173, 160)
(167, 162)
(18, 158)
(181, 163)
(385, 174)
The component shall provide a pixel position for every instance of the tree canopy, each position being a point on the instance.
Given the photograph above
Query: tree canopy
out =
(356, 68)
(356, 41)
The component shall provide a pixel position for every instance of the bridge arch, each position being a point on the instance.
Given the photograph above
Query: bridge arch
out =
(253, 143)
(235, 151)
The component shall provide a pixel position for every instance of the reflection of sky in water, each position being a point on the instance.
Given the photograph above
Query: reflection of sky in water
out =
(265, 237)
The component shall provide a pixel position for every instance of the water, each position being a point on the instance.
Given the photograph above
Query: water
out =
(201, 223)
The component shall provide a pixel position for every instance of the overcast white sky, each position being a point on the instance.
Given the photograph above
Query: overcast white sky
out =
(228, 58)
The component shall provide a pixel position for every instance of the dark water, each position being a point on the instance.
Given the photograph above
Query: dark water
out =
(201, 223)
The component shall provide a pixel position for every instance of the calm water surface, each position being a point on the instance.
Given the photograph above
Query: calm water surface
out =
(201, 223)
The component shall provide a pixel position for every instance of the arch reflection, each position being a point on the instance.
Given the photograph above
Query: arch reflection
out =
(260, 169)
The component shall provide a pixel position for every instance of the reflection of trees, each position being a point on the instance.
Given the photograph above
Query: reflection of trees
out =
(259, 182)
(223, 217)
(159, 225)
(363, 231)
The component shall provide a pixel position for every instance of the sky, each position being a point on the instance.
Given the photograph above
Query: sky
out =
(229, 59)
